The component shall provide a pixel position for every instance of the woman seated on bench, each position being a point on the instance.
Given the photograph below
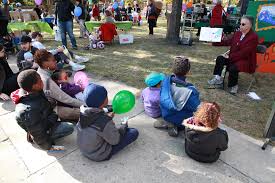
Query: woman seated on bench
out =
(241, 58)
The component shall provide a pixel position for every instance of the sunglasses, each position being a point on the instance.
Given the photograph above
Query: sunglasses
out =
(243, 24)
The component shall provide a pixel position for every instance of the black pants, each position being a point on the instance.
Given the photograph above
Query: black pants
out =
(231, 68)
(152, 24)
(10, 84)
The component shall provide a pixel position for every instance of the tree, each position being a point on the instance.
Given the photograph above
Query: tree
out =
(173, 21)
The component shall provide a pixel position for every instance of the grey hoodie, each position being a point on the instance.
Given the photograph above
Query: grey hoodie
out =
(96, 133)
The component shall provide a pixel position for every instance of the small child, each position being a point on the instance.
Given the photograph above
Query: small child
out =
(178, 98)
(61, 79)
(97, 136)
(35, 114)
(204, 140)
(151, 95)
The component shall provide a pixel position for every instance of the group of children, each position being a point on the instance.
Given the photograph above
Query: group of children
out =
(177, 101)
(170, 97)
(97, 135)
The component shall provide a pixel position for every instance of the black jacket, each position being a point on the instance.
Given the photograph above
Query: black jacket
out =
(63, 10)
(36, 116)
(204, 144)
(21, 63)
(5, 72)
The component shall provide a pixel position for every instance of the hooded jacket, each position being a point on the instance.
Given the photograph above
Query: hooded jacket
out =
(35, 115)
(177, 103)
(96, 133)
(204, 144)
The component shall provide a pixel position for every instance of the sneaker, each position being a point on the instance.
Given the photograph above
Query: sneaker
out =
(215, 81)
(80, 59)
(234, 90)
(173, 130)
(161, 124)
(75, 48)
(78, 67)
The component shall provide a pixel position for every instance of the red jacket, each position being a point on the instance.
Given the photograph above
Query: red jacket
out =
(108, 32)
(243, 53)
(95, 11)
(216, 15)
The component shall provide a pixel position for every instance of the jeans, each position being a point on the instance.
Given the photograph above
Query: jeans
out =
(231, 68)
(152, 24)
(130, 136)
(64, 129)
(67, 27)
(83, 30)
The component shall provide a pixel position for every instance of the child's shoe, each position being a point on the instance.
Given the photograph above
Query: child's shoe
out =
(173, 130)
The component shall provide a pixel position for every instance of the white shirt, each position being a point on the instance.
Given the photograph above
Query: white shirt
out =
(38, 45)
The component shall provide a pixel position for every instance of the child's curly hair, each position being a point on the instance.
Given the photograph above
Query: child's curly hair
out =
(181, 66)
(208, 114)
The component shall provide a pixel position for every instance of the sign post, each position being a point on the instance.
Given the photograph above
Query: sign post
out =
(269, 131)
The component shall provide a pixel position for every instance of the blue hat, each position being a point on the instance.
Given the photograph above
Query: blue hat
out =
(154, 78)
(94, 95)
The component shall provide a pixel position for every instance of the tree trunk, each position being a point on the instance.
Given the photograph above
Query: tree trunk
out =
(173, 21)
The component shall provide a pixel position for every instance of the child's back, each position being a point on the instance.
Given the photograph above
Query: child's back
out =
(35, 115)
(203, 139)
(96, 133)
(151, 95)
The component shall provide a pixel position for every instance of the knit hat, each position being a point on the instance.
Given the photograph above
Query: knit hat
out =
(25, 39)
(94, 95)
(28, 56)
(154, 78)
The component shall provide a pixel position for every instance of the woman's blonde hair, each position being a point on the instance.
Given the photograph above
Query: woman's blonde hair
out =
(208, 114)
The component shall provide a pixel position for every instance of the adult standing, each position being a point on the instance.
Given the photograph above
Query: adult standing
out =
(217, 15)
(151, 16)
(96, 13)
(81, 20)
(8, 80)
(242, 56)
(38, 11)
(63, 13)
(47, 65)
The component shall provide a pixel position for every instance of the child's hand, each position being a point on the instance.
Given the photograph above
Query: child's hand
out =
(111, 114)
(60, 49)
(57, 148)
(3, 96)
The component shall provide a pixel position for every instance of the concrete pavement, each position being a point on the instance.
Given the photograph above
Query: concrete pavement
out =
(154, 157)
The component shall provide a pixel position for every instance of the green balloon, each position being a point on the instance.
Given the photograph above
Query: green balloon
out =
(123, 102)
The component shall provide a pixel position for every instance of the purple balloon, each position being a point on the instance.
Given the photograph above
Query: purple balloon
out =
(38, 2)
(184, 7)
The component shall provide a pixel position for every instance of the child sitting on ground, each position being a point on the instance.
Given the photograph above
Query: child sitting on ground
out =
(178, 98)
(62, 80)
(34, 112)
(59, 54)
(204, 140)
(97, 136)
(150, 95)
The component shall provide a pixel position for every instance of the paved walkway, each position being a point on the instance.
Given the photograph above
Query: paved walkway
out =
(154, 157)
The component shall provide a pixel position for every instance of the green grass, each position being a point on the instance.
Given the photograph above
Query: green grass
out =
(131, 63)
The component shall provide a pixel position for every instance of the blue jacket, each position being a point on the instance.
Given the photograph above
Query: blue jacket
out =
(178, 103)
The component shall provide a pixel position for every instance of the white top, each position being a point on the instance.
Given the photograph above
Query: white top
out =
(38, 45)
